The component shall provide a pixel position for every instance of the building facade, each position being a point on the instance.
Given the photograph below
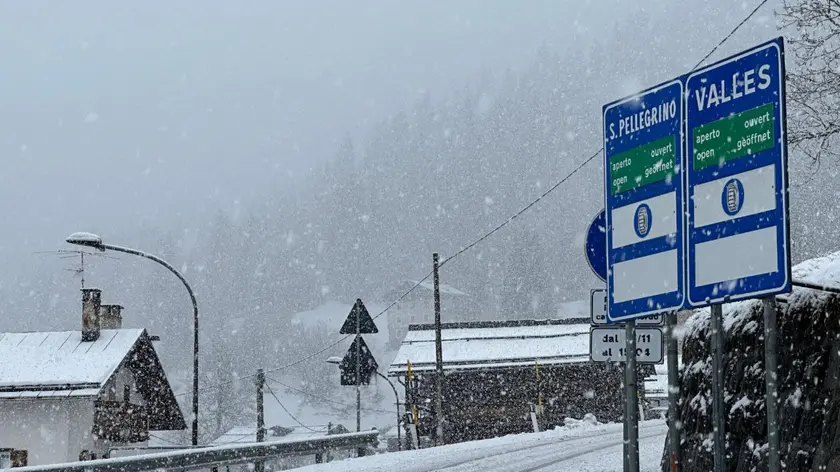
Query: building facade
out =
(72, 395)
(495, 372)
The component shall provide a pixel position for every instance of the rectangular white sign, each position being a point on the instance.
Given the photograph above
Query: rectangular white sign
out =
(608, 345)
(598, 311)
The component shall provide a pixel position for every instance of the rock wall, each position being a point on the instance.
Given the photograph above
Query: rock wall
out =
(809, 385)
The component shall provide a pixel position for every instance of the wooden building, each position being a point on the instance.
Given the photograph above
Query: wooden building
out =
(494, 371)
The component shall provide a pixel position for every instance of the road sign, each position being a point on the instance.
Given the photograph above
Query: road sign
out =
(598, 311)
(608, 345)
(643, 162)
(737, 183)
(596, 246)
(366, 324)
(367, 366)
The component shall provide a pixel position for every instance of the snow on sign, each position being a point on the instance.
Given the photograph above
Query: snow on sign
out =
(643, 159)
(598, 311)
(738, 239)
(608, 344)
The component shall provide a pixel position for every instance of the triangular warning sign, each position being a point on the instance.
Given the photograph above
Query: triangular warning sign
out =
(367, 364)
(366, 325)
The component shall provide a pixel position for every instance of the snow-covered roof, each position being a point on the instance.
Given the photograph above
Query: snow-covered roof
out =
(489, 344)
(248, 434)
(58, 364)
(444, 288)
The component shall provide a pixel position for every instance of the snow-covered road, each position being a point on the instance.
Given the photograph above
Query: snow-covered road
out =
(583, 448)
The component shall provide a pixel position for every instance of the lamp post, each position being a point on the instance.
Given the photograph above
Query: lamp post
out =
(337, 361)
(94, 241)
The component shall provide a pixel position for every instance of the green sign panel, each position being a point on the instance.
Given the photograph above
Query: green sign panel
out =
(644, 165)
(738, 135)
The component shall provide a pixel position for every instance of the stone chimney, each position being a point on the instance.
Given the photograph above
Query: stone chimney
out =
(111, 316)
(91, 302)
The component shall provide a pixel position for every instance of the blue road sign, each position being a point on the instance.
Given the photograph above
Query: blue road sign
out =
(643, 162)
(596, 246)
(737, 183)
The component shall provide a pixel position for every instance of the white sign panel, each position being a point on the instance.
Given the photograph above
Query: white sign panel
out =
(608, 345)
(598, 311)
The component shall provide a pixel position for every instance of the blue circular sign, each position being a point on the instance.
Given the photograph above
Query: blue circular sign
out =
(643, 220)
(596, 245)
(732, 197)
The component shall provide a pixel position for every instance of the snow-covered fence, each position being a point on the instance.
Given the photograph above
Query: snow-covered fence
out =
(217, 456)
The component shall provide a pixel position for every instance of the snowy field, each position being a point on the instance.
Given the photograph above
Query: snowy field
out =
(578, 448)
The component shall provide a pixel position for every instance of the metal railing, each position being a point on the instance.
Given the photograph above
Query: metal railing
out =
(216, 456)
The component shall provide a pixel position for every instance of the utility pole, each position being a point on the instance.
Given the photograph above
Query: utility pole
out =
(260, 466)
(438, 352)
(673, 394)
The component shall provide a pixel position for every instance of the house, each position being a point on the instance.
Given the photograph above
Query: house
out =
(418, 307)
(71, 395)
(494, 371)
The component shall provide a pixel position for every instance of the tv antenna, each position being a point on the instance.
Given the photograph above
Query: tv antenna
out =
(72, 254)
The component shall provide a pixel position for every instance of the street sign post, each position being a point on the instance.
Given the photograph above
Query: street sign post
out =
(367, 364)
(737, 179)
(598, 311)
(596, 245)
(736, 185)
(643, 162)
(728, 177)
(359, 357)
(358, 321)
(608, 344)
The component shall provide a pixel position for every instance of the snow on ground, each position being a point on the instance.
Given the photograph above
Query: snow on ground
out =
(579, 448)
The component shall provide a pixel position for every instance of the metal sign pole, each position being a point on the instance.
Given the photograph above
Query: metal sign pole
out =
(632, 419)
(626, 436)
(673, 394)
(360, 451)
(771, 379)
(718, 420)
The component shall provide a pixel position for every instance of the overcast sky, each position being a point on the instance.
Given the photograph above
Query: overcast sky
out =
(118, 113)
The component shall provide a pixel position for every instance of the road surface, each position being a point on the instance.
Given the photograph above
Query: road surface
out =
(587, 448)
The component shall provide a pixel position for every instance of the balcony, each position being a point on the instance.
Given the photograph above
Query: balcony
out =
(120, 422)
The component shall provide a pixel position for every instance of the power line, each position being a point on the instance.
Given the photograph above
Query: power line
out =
(330, 346)
(726, 38)
(322, 398)
(525, 208)
(287, 411)
(325, 348)
(593, 156)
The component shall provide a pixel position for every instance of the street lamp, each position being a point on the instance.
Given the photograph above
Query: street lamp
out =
(94, 241)
(337, 360)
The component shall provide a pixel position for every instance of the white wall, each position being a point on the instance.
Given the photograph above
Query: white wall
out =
(57, 430)
(51, 430)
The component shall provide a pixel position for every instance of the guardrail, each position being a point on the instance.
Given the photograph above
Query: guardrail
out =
(211, 457)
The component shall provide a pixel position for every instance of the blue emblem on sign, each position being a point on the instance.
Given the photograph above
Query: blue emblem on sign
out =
(643, 220)
(732, 198)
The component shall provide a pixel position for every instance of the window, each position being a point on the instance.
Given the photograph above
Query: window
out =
(20, 458)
